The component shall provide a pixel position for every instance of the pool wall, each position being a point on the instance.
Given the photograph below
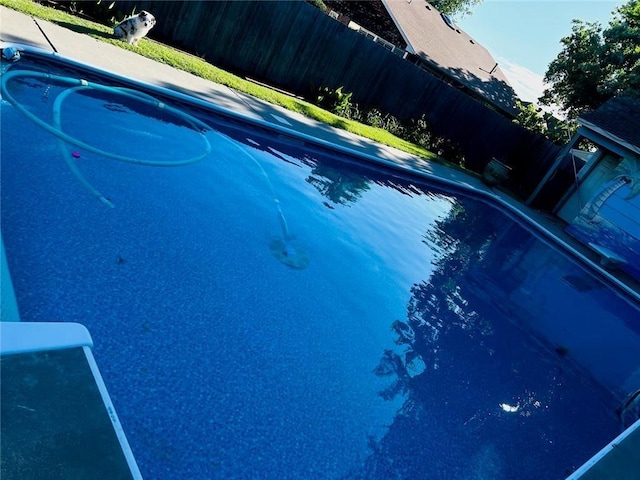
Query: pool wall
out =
(9, 307)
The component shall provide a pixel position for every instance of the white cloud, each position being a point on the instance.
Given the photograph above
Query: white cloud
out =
(527, 84)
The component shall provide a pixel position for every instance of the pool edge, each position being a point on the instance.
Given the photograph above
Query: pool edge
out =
(593, 468)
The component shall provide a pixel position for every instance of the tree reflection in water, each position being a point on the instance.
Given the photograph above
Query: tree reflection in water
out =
(338, 185)
(482, 398)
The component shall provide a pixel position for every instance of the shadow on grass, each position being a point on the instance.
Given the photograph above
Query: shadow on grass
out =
(86, 30)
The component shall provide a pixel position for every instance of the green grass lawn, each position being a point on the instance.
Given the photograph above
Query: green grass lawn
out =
(192, 64)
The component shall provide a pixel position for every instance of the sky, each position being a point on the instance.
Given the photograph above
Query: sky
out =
(524, 35)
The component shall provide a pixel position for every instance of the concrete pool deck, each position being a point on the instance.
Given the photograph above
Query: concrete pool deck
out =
(19, 28)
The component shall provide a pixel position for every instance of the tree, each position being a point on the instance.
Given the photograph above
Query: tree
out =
(529, 117)
(543, 123)
(595, 64)
(455, 7)
(622, 56)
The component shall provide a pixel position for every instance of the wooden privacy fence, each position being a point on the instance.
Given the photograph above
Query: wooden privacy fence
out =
(295, 46)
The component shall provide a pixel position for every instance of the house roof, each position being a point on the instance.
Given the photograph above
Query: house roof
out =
(372, 15)
(418, 27)
(617, 119)
(446, 47)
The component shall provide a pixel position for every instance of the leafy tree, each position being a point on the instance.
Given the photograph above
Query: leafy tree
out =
(532, 118)
(595, 64)
(458, 8)
(622, 57)
(318, 4)
(529, 117)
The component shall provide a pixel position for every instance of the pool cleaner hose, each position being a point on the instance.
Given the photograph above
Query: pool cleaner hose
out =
(77, 85)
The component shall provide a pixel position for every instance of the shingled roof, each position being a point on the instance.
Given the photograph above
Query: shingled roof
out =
(371, 15)
(617, 119)
(440, 45)
(446, 47)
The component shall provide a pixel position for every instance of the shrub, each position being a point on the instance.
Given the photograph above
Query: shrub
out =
(336, 101)
(373, 117)
(447, 149)
(392, 125)
(419, 131)
(356, 114)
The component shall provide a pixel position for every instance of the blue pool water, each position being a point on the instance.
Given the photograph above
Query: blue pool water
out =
(422, 334)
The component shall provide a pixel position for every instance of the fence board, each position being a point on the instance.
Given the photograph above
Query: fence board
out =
(295, 46)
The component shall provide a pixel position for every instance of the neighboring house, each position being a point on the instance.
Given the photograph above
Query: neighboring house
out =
(417, 31)
(602, 201)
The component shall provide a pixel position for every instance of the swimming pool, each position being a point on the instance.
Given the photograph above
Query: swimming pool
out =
(271, 309)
